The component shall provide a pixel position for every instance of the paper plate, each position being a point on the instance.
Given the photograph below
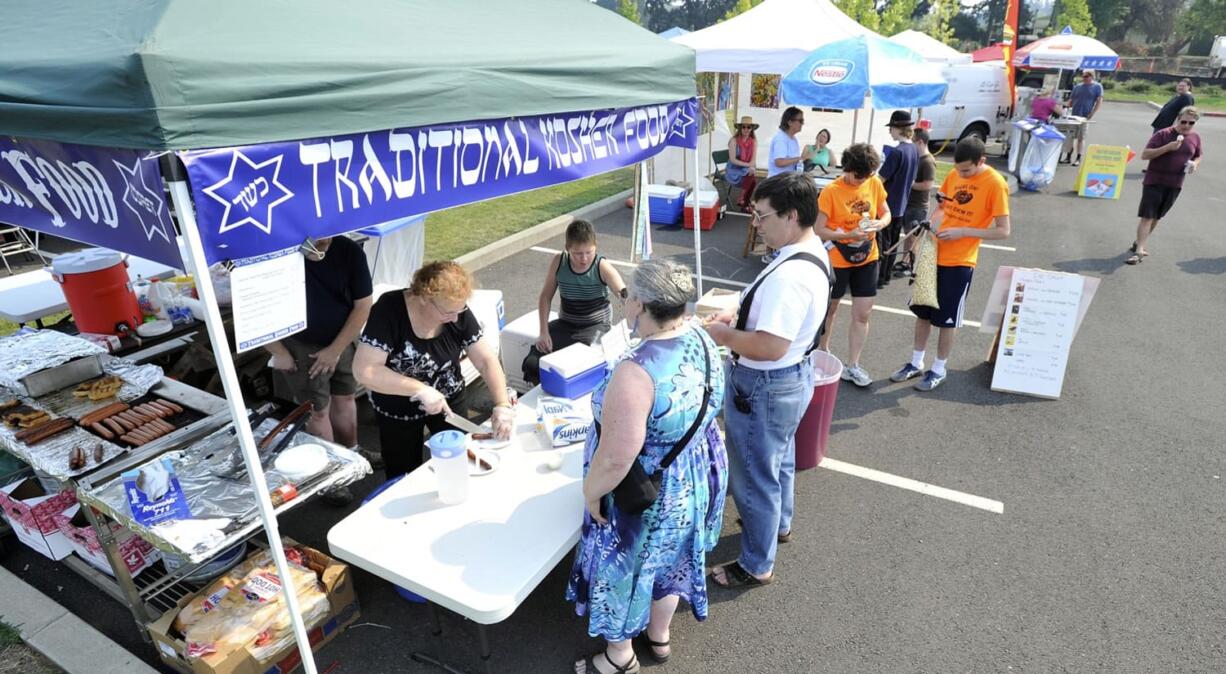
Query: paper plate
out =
(492, 443)
(492, 458)
(154, 328)
(302, 461)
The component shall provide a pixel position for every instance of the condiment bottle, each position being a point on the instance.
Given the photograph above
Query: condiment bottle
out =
(284, 493)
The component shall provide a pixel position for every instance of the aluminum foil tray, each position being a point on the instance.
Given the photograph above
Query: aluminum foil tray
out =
(28, 352)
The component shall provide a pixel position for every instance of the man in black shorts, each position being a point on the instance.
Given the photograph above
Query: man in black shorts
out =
(1173, 153)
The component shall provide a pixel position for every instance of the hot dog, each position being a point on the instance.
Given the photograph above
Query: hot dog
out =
(166, 411)
(102, 413)
(123, 421)
(102, 430)
(115, 427)
(47, 430)
(173, 407)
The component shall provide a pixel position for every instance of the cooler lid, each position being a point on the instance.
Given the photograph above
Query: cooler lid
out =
(85, 261)
(706, 199)
(665, 191)
(572, 361)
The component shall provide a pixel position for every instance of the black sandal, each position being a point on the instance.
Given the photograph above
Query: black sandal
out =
(589, 664)
(652, 645)
(735, 575)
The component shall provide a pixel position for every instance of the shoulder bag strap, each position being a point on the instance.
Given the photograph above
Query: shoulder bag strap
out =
(742, 318)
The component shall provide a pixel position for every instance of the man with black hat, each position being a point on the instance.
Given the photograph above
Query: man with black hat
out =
(898, 173)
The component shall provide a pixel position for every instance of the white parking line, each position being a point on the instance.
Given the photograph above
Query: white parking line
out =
(1009, 249)
(739, 284)
(914, 485)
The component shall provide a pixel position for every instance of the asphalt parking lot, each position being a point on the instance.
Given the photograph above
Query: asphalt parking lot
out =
(1105, 553)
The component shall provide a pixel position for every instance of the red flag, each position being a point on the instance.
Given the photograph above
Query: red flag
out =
(1009, 46)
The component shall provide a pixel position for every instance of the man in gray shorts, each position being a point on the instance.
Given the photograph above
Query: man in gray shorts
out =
(317, 363)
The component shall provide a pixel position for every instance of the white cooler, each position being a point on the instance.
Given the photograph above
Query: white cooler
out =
(517, 338)
(487, 306)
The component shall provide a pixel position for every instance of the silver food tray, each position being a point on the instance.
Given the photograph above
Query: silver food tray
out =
(26, 353)
(212, 497)
(50, 457)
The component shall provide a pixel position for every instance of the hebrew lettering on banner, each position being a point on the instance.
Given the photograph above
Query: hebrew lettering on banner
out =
(100, 196)
(257, 199)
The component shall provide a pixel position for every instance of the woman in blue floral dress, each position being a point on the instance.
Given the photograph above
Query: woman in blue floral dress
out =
(631, 570)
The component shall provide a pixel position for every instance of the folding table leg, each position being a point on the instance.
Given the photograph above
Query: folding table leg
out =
(484, 640)
(426, 659)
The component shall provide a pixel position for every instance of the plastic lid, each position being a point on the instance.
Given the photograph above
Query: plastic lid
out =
(447, 444)
(706, 199)
(572, 361)
(85, 261)
(666, 191)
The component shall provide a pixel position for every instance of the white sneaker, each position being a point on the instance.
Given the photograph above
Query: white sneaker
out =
(856, 375)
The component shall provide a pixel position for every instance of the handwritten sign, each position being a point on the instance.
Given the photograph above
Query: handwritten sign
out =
(1041, 317)
(269, 298)
(1102, 172)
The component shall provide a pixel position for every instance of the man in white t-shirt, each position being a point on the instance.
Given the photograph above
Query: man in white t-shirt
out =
(770, 379)
(785, 154)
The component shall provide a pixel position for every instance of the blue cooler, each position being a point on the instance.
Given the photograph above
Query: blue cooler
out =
(665, 204)
(572, 372)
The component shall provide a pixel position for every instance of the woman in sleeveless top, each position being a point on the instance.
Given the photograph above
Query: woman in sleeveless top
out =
(742, 153)
(583, 279)
(631, 570)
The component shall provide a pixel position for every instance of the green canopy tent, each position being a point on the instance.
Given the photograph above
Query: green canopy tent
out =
(172, 75)
(177, 74)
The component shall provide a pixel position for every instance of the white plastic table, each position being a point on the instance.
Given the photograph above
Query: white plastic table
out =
(483, 557)
(27, 297)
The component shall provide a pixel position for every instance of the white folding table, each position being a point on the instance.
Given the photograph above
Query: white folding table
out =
(28, 297)
(483, 557)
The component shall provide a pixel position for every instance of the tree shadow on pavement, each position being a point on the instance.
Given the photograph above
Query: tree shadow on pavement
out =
(971, 386)
(1099, 265)
(1204, 265)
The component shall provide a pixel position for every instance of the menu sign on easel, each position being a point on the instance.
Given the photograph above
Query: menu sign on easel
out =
(1041, 317)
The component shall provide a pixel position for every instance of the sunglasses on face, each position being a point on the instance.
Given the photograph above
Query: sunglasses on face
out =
(1187, 122)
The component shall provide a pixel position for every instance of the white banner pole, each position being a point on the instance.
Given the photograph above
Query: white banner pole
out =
(238, 409)
(697, 226)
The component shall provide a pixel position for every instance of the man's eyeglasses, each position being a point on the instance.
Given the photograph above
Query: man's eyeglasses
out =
(758, 215)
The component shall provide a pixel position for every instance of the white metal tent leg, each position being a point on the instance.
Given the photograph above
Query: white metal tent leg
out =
(697, 230)
(855, 122)
(238, 408)
(872, 116)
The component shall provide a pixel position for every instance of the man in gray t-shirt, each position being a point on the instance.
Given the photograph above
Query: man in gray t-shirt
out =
(1084, 101)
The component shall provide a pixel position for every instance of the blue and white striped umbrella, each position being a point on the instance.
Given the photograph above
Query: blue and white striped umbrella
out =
(1067, 51)
(840, 74)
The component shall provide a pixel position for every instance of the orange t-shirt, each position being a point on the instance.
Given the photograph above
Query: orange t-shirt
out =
(844, 204)
(975, 203)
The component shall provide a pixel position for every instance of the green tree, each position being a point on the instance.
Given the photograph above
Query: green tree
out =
(863, 12)
(1074, 13)
(939, 21)
(629, 9)
(1202, 21)
(897, 17)
(741, 7)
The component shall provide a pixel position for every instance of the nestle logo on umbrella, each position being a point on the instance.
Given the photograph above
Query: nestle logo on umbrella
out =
(831, 71)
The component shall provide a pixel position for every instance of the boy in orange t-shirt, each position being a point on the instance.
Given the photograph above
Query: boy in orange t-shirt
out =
(842, 209)
(973, 206)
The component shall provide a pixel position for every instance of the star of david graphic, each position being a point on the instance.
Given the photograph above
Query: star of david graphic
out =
(681, 127)
(249, 193)
(145, 202)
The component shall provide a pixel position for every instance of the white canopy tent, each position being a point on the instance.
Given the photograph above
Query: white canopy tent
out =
(930, 48)
(769, 39)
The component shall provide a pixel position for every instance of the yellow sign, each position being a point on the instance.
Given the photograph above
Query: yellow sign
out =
(1102, 171)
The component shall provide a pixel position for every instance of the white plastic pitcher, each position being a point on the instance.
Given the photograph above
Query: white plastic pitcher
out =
(448, 451)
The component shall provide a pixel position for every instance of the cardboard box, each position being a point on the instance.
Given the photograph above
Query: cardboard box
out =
(716, 300)
(342, 599)
(137, 553)
(32, 513)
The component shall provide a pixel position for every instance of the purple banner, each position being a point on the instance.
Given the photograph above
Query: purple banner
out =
(99, 196)
(258, 199)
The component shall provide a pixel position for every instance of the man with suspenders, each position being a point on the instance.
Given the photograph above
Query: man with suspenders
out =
(770, 378)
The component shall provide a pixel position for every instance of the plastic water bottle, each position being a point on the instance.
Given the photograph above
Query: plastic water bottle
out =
(448, 449)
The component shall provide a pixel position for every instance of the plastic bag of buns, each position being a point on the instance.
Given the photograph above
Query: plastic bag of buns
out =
(252, 614)
(208, 598)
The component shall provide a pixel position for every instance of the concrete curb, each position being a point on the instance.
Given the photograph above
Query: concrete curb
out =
(506, 247)
(69, 642)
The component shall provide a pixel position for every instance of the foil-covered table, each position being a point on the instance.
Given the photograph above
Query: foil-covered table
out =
(228, 502)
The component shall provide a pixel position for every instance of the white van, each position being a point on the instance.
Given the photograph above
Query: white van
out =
(977, 103)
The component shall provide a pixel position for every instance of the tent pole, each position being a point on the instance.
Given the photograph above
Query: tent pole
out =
(872, 115)
(855, 122)
(634, 217)
(698, 229)
(238, 410)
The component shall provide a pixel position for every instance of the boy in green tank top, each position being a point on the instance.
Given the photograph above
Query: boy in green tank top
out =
(584, 280)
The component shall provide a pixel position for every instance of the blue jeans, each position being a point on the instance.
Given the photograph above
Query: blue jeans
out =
(762, 453)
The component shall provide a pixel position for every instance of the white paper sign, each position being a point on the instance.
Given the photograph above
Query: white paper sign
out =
(269, 298)
(1040, 321)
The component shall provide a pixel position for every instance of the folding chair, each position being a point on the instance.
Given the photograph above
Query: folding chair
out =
(719, 178)
(20, 244)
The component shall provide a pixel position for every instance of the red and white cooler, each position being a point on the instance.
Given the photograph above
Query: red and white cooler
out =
(99, 293)
(709, 210)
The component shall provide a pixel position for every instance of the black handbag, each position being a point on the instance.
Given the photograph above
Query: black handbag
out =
(638, 490)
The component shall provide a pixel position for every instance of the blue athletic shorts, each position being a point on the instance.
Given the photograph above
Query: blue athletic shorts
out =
(953, 285)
